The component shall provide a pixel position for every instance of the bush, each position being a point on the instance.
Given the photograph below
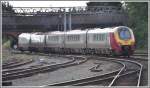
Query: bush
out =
(7, 44)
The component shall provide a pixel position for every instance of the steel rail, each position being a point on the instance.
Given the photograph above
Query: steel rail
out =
(137, 63)
(11, 62)
(137, 58)
(139, 55)
(73, 82)
(104, 79)
(117, 76)
(35, 68)
(120, 75)
(28, 71)
(18, 64)
(114, 77)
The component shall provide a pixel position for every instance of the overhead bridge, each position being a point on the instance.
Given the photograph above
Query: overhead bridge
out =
(30, 19)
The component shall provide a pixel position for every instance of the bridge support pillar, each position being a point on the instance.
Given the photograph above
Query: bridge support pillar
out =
(64, 20)
(70, 22)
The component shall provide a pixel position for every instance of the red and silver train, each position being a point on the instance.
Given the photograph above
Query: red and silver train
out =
(107, 41)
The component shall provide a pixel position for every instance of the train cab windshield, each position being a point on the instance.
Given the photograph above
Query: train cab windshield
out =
(124, 34)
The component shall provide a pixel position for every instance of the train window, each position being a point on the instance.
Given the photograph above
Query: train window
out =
(73, 37)
(94, 37)
(99, 37)
(53, 38)
(103, 37)
(68, 38)
(49, 37)
(124, 34)
(77, 37)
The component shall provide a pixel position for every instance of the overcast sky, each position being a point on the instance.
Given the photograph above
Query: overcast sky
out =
(47, 3)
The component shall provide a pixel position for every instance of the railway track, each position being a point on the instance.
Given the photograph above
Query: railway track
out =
(115, 78)
(119, 79)
(25, 72)
(90, 79)
(140, 54)
(15, 63)
(132, 68)
(109, 79)
(11, 61)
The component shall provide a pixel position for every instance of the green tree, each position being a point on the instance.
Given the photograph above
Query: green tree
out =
(7, 7)
(118, 4)
(138, 21)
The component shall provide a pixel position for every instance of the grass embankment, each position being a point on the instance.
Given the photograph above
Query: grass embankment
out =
(6, 49)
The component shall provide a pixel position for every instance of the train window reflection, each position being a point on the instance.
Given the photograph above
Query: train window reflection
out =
(124, 34)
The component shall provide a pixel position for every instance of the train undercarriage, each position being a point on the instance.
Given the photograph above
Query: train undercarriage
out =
(126, 51)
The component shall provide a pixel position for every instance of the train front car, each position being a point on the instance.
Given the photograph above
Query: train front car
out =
(124, 42)
(24, 41)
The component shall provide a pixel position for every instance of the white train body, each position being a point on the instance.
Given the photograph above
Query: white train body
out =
(24, 41)
(96, 40)
(75, 39)
(55, 39)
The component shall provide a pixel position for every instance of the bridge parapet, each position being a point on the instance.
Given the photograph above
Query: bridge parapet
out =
(28, 19)
(56, 10)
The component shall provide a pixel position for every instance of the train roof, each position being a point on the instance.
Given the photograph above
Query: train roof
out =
(55, 33)
(24, 34)
(104, 30)
(76, 32)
